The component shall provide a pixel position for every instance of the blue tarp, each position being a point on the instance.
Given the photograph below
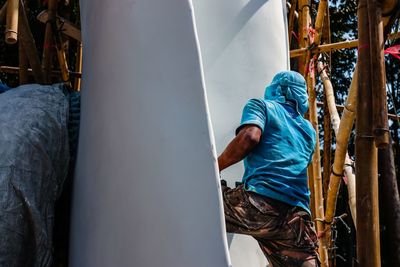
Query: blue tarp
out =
(34, 161)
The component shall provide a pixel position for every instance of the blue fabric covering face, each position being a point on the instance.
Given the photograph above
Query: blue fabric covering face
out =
(277, 166)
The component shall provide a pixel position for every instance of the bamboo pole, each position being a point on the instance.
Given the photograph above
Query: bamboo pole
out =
(379, 102)
(303, 10)
(326, 30)
(78, 67)
(304, 7)
(326, 34)
(368, 240)
(23, 65)
(319, 22)
(303, 27)
(62, 59)
(310, 175)
(325, 48)
(316, 165)
(327, 149)
(322, 7)
(341, 145)
(49, 41)
(12, 21)
(389, 195)
(293, 4)
(342, 161)
(29, 45)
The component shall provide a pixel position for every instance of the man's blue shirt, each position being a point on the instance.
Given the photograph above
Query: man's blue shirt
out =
(277, 166)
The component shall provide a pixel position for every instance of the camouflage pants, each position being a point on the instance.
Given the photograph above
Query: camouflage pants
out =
(285, 233)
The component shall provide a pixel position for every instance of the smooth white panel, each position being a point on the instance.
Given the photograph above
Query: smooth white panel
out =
(146, 190)
(243, 44)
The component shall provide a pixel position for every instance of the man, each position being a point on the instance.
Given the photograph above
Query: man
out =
(277, 144)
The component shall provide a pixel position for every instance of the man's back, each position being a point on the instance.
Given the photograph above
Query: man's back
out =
(277, 167)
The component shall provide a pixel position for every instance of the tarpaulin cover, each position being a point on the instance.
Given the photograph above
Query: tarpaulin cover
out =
(34, 157)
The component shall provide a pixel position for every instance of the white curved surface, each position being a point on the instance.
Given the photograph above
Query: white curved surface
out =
(146, 189)
(243, 44)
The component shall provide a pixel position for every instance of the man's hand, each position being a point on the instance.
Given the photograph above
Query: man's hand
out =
(248, 137)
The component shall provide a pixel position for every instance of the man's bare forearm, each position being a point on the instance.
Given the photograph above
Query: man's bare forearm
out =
(240, 146)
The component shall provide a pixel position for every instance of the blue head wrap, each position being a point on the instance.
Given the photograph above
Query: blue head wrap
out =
(288, 86)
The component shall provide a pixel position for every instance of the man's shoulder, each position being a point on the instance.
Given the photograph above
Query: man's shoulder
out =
(256, 104)
(258, 101)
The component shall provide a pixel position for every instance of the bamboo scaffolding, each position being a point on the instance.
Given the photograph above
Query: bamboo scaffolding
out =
(341, 108)
(23, 65)
(49, 41)
(379, 102)
(11, 32)
(342, 161)
(335, 46)
(368, 240)
(316, 165)
(29, 45)
(325, 48)
(322, 7)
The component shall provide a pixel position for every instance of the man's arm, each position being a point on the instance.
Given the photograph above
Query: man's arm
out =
(247, 138)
